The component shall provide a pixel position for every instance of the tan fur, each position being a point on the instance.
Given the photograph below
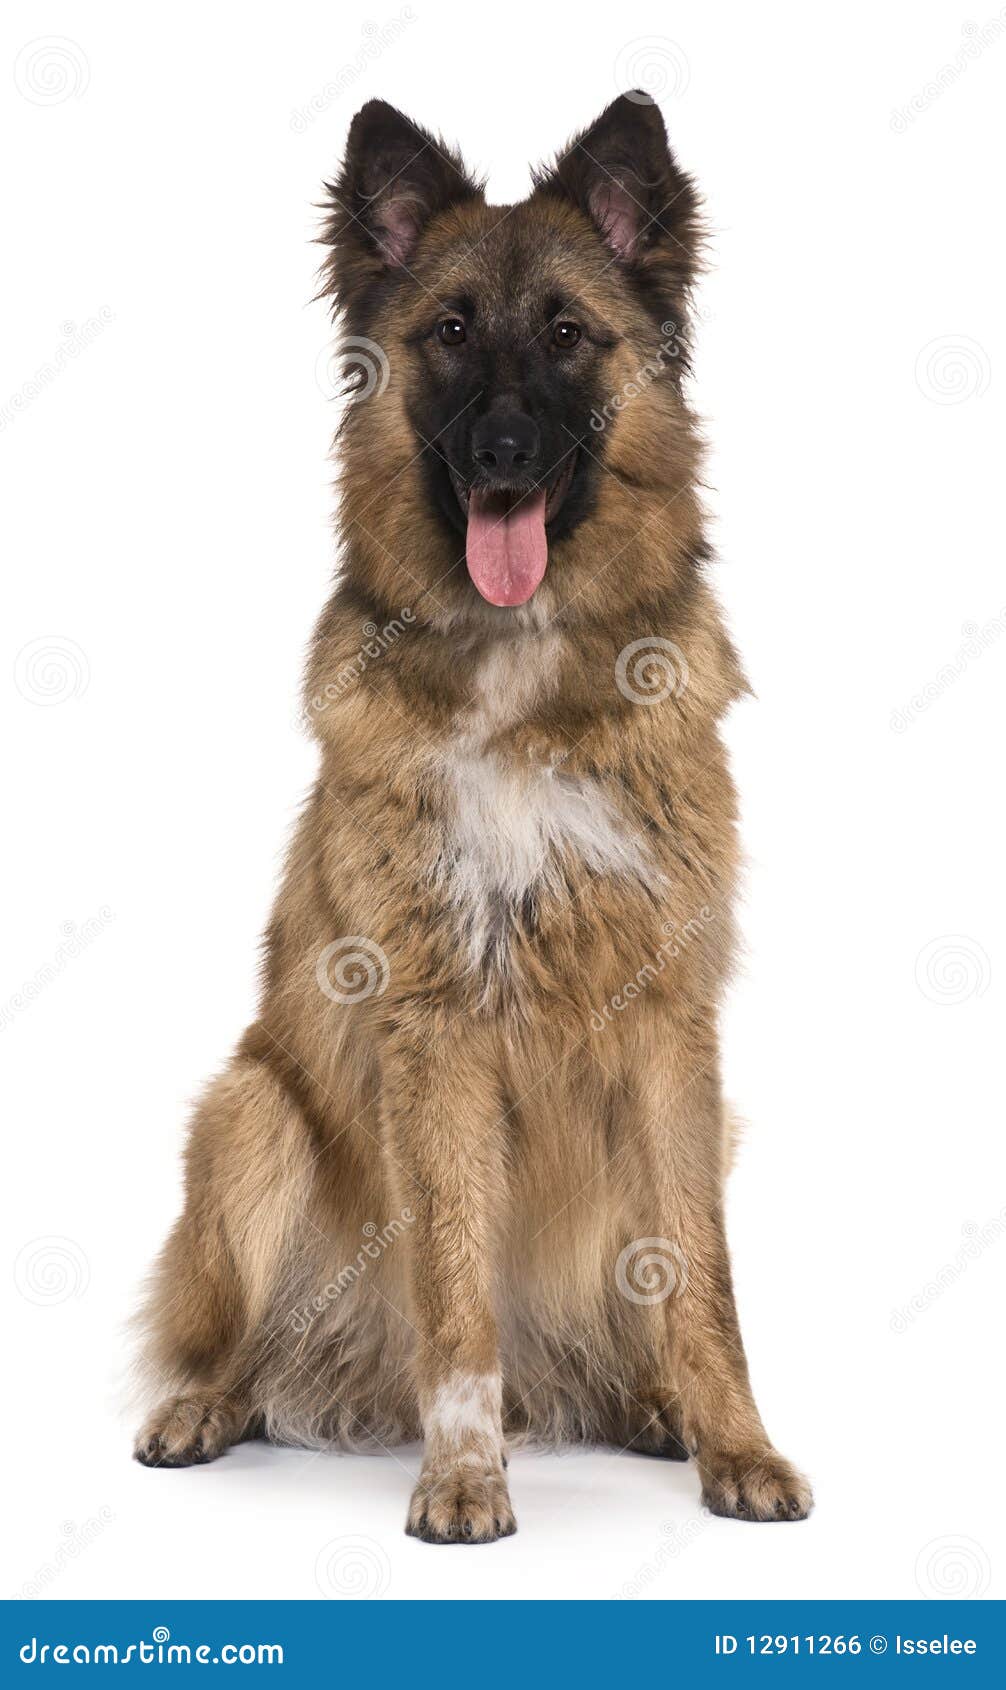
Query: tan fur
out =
(472, 1095)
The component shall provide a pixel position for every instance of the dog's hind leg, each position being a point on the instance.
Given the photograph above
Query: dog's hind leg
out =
(653, 1425)
(188, 1430)
(247, 1167)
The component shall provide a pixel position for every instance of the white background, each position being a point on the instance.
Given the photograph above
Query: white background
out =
(166, 542)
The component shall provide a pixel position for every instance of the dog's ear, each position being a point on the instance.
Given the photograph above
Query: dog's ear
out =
(395, 177)
(622, 174)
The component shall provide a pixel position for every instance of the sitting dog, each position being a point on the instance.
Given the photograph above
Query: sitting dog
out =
(463, 1177)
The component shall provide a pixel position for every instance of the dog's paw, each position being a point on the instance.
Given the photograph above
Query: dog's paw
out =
(656, 1430)
(753, 1485)
(462, 1505)
(184, 1432)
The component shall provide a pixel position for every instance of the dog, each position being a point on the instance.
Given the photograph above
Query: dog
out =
(463, 1178)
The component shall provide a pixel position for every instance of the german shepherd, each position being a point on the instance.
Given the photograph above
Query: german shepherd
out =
(463, 1178)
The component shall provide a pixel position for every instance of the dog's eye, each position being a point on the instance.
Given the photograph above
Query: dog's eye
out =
(451, 331)
(566, 334)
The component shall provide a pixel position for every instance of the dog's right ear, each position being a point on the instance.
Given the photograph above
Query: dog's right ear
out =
(395, 177)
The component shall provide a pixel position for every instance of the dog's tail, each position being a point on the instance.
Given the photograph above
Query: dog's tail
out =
(734, 1128)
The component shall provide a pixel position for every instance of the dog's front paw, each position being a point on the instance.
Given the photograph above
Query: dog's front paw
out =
(461, 1505)
(753, 1484)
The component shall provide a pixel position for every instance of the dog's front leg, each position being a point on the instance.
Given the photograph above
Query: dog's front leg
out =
(710, 1397)
(442, 1121)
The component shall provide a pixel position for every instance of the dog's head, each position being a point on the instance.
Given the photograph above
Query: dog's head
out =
(522, 362)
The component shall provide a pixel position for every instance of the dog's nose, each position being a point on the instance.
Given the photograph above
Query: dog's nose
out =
(506, 442)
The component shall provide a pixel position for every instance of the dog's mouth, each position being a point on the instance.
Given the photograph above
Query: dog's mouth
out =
(506, 548)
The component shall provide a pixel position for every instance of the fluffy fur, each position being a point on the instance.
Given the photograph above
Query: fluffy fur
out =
(459, 1180)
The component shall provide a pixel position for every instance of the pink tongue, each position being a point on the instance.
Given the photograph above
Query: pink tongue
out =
(506, 554)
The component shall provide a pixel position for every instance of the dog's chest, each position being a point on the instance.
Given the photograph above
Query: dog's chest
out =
(511, 826)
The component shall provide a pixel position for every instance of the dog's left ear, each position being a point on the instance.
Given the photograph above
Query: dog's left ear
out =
(622, 174)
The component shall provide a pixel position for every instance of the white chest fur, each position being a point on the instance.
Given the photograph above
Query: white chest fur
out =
(510, 824)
